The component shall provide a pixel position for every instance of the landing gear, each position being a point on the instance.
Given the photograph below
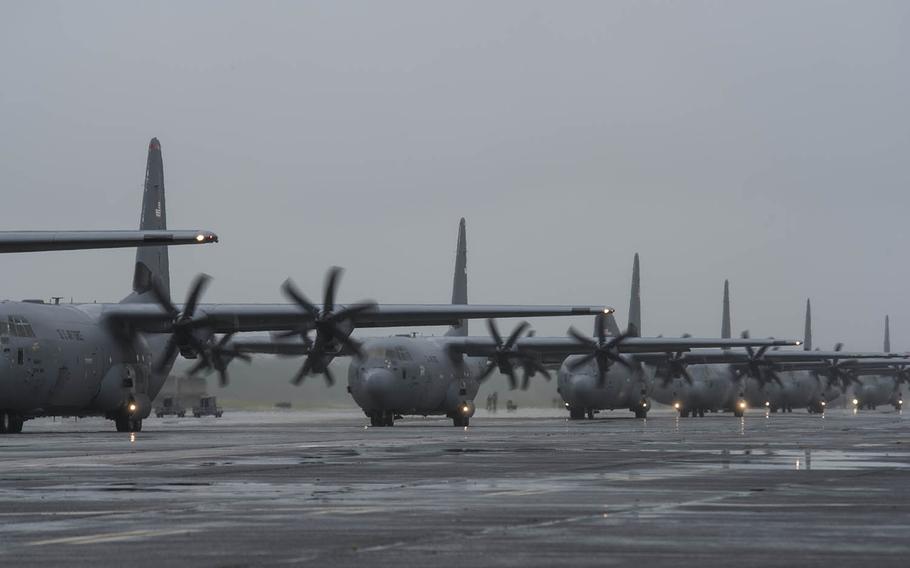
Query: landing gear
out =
(381, 418)
(459, 420)
(576, 413)
(10, 423)
(590, 415)
(640, 411)
(127, 424)
(683, 412)
(701, 413)
(738, 411)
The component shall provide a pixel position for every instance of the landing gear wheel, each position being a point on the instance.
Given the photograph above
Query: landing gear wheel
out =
(683, 412)
(4, 423)
(640, 412)
(15, 424)
(590, 415)
(126, 424)
(459, 420)
(576, 413)
(738, 412)
(701, 412)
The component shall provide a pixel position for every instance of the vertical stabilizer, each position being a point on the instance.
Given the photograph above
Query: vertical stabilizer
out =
(152, 262)
(887, 335)
(807, 334)
(725, 323)
(460, 280)
(634, 328)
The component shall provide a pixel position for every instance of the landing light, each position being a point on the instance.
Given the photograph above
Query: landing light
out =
(742, 404)
(465, 409)
(676, 405)
(200, 237)
(767, 403)
(132, 407)
(855, 402)
(823, 403)
(901, 401)
(644, 405)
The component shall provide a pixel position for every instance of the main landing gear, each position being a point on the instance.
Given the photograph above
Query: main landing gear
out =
(10, 422)
(380, 418)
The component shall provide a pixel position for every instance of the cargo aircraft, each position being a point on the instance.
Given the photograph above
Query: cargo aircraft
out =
(111, 359)
(410, 375)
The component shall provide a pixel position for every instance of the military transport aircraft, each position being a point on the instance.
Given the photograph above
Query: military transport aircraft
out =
(877, 383)
(395, 376)
(764, 379)
(112, 359)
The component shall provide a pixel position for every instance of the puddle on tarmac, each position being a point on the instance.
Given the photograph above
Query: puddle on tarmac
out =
(813, 460)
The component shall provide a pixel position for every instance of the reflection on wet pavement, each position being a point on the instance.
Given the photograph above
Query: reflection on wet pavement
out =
(529, 490)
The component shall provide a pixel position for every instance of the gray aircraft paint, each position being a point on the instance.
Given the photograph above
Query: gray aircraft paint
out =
(623, 388)
(877, 390)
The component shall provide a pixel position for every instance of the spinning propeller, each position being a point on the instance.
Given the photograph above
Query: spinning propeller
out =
(218, 356)
(182, 325)
(603, 350)
(505, 356)
(332, 327)
(757, 367)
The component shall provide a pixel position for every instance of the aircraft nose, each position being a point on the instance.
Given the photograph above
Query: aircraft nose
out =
(584, 385)
(379, 385)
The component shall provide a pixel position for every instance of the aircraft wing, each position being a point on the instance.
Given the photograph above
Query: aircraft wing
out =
(776, 357)
(232, 318)
(37, 241)
(558, 348)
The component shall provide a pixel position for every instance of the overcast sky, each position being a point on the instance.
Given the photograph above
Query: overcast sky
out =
(766, 142)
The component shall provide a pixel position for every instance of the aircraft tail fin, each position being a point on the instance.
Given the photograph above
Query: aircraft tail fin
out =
(807, 335)
(460, 280)
(725, 323)
(634, 327)
(887, 335)
(152, 262)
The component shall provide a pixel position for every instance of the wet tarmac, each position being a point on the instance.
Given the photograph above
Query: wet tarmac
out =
(527, 489)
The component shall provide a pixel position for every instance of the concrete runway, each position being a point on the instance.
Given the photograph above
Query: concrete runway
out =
(528, 489)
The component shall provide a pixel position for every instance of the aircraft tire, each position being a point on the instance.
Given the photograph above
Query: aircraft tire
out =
(701, 412)
(738, 412)
(16, 422)
(122, 424)
(4, 422)
(461, 421)
(640, 412)
(590, 415)
(576, 413)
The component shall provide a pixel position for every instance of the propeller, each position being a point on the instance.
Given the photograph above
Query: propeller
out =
(183, 325)
(675, 366)
(219, 355)
(504, 356)
(603, 350)
(331, 327)
(757, 367)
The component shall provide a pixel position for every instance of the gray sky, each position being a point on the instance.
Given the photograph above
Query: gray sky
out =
(765, 142)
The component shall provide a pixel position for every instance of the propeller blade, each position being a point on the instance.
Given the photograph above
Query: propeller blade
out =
(581, 338)
(331, 284)
(494, 331)
(200, 283)
(291, 291)
(163, 298)
(581, 361)
(516, 333)
(170, 351)
(601, 327)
